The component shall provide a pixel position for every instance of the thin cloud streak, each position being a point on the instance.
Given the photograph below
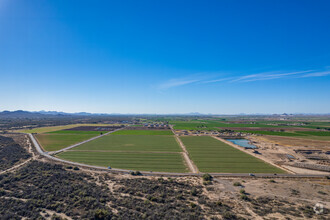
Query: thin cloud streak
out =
(243, 79)
(218, 80)
(177, 82)
(267, 76)
(316, 74)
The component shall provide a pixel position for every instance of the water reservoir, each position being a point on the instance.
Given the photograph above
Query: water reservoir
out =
(242, 142)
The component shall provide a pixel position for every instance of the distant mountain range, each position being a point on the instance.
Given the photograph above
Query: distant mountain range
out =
(45, 114)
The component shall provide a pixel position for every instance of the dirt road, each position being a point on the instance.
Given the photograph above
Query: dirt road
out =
(192, 167)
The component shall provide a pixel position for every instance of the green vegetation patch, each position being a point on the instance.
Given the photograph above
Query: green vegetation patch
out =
(56, 128)
(213, 125)
(54, 142)
(314, 133)
(152, 143)
(162, 162)
(143, 132)
(211, 155)
(77, 132)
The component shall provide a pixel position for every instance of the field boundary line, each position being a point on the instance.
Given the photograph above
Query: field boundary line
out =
(122, 151)
(250, 153)
(192, 167)
(80, 143)
(148, 173)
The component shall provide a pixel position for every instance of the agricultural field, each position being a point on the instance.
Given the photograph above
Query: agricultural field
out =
(314, 133)
(143, 161)
(77, 132)
(143, 132)
(54, 141)
(134, 152)
(42, 130)
(133, 143)
(306, 130)
(214, 125)
(214, 156)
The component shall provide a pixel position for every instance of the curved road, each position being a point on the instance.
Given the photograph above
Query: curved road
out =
(45, 154)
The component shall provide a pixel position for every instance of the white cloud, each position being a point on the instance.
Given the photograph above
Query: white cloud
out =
(197, 79)
(177, 82)
(316, 74)
(267, 76)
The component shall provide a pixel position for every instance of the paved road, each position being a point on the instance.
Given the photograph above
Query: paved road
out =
(45, 154)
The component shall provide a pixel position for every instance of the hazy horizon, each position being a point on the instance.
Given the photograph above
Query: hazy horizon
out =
(175, 57)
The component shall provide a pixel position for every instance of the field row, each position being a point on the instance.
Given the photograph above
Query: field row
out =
(144, 153)
(211, 155)
(162, 162)
(152, 150)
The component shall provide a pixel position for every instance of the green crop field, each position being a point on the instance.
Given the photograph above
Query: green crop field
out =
(143, 132)
(211, 155)
(53, 142)
(56, 128)
(162, 162)
(314, 133)
(151, 143)
(134, 152)
(212, 125)
(76, 132)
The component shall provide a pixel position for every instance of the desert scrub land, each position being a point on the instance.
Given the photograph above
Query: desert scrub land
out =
(211, 155)
(42, 190)
(11, 153)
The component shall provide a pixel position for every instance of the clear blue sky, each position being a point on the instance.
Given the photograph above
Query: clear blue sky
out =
(165, 56)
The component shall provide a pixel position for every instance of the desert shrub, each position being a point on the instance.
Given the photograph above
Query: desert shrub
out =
(237, 184)
(192, 205)
(244, 197)
(194, 191)
(101, 214)
(11, 153)
(207, 177)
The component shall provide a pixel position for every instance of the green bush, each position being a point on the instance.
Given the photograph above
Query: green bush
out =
(237, 184)
(101, 214)
(244, 197)
(192, 205)
(207, 177)
(194, 192)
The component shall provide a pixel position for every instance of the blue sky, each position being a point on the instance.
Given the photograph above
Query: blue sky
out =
(221, 57)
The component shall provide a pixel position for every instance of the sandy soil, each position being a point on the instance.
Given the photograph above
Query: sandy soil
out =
(294, 193)
(296, 142)
(277, 153)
